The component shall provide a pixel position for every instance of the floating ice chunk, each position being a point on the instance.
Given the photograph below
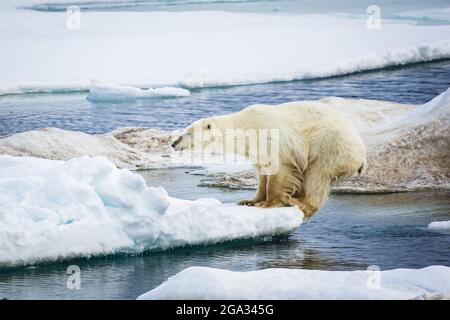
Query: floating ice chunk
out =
(210, 283)
(101, 91)
(440, 226)
(52, 210)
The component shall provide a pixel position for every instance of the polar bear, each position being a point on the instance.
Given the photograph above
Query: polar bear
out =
(316, 145)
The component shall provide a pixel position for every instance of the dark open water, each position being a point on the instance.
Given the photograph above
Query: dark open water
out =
(413, 84)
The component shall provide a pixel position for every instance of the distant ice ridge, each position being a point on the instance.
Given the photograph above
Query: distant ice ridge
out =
(115, 4)
(208, 283)
(101, 91)
(380, 59)
(200, 49)
(440, 226)
(436, 15)
(51, 210)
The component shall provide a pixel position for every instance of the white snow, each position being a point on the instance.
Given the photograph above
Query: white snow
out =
(210, 283)
(52, 210)
(198, 49)
(101, 91)
(440, 226)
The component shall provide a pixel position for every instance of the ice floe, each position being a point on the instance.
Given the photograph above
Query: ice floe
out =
(51, 210)
(101, 91)
(208, 283)
(440, 226)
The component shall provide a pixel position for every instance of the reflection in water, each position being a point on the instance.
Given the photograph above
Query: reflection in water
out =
(125, 277)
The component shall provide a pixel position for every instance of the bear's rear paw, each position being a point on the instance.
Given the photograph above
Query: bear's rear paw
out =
(307, 210)
(270, 204)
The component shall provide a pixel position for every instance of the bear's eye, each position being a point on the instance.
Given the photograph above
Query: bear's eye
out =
(208, 126)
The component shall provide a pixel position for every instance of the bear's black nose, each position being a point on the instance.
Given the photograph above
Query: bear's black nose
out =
(177, 141)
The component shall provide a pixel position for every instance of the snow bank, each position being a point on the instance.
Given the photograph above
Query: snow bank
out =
(199, 49)
(210, 283)
(101, 91)
(52, 210)
(439, 226)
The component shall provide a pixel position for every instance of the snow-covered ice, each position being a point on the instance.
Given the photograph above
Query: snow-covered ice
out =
(368, 114)
(52, 210)
(440, 226)
(59, 144)
(198, 49)
(209, 283)
(411, 153)
(100, 91)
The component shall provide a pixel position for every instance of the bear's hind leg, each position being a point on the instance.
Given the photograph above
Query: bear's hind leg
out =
(260, 193)
(316, 189)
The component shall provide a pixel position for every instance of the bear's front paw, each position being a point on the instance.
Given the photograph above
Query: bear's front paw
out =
(247, 203)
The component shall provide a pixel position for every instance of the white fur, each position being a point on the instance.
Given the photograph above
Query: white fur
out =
(318, 145)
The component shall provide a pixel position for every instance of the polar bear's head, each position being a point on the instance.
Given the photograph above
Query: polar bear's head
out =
(202, 134)
(243, 133)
